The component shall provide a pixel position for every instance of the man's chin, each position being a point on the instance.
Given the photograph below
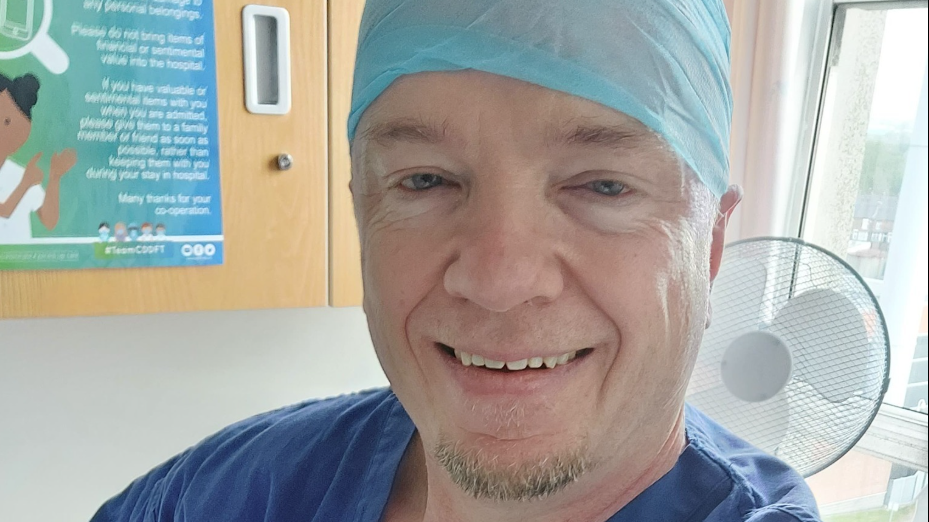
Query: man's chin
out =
(511, 470)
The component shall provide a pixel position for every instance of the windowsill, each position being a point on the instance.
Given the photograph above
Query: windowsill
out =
(900, 436)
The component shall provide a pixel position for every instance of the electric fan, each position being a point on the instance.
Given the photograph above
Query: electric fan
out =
(796, 358)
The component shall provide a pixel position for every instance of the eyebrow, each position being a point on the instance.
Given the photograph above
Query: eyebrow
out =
(417, 131)
(405, 131)
(608, 136)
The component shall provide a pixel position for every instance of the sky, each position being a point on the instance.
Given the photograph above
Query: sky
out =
(902, 67)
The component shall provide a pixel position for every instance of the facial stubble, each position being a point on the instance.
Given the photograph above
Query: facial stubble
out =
(483, 477)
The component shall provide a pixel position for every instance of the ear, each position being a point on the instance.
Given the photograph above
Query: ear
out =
(727, 205)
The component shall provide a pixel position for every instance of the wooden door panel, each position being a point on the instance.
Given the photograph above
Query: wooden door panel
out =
(274, 222)
(344, 253)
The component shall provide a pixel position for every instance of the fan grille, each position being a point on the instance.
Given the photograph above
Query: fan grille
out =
(829, 319)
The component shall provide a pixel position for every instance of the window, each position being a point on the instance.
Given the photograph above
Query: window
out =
(867, 195)
(866, 201)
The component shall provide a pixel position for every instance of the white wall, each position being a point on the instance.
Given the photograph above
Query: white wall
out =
(87, 405)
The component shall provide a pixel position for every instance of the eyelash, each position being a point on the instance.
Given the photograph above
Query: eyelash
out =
(410, 180)
(623, 188)
(408, 184)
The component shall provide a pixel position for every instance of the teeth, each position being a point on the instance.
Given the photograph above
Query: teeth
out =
(468, 359)
(494, 365)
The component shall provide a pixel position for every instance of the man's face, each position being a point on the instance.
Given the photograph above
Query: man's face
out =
(513, 222)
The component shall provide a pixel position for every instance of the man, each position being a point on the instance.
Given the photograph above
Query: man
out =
(541, 195)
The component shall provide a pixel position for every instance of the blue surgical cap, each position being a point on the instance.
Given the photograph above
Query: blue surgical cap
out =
(663, 62)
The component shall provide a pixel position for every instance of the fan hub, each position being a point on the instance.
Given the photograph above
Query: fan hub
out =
(756, 366)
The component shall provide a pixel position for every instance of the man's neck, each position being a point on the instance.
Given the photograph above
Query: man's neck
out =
(422, 491)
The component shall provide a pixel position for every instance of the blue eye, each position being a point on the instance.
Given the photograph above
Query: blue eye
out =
(420, 182)
(606, 187)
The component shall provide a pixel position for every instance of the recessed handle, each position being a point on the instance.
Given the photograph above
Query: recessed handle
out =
(266, 48)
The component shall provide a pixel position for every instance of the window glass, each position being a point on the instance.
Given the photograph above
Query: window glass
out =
(867, 197)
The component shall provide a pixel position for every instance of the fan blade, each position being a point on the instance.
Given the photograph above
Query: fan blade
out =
(828, 338)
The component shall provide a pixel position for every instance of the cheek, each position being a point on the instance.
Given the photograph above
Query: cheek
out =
(401, 265)
(651, 281)
(656, 300)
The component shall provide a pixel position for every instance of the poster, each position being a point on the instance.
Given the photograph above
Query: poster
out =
(108, 134)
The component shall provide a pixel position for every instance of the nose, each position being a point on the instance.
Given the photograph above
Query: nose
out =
(505, 256)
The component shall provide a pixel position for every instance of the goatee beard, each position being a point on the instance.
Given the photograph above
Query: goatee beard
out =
(482, 478)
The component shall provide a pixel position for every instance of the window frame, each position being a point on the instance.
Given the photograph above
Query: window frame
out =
(897, 435)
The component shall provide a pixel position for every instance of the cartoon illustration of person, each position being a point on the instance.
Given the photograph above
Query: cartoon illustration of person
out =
(133, 232)
(103, 232)
(120, 233)
(160, 232)
(21, 191)
(146, 233)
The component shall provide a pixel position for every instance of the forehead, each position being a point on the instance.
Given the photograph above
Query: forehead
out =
(477, 120)
(432, 107)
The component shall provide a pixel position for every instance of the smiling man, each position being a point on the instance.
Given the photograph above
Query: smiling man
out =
(541, 195)
(536, 277)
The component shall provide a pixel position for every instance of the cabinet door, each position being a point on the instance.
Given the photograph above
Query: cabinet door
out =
(344, 254)
(274, 221)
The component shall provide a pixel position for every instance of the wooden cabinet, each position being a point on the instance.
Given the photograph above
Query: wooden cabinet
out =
(274, 222)
(344, 255)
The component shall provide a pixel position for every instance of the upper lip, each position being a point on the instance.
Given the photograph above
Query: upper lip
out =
(512, 354)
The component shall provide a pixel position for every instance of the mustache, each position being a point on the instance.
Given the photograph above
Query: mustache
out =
(532, 326)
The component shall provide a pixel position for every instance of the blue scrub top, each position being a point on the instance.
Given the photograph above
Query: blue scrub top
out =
(334, 460)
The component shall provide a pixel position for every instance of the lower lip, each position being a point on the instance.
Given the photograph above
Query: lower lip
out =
(479, 381)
